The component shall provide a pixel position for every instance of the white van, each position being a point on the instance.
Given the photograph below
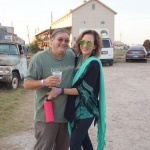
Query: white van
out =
(107, 54)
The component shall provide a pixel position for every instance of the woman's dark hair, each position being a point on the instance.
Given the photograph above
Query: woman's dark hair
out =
(97, 42)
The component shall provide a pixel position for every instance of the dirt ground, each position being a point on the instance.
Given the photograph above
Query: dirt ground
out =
(128, 111)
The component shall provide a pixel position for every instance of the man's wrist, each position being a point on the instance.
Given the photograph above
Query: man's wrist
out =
(42, 82)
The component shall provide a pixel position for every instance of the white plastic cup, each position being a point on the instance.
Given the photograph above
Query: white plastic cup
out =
(57, 74)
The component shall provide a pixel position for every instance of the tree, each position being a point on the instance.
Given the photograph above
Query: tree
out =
(34, 46)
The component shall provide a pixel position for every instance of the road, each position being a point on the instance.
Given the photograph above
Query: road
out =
(128, 114)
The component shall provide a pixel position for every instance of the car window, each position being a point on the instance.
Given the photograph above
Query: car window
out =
(136, 48)
(106, 43)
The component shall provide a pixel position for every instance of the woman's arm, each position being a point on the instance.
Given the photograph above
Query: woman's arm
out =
(72, 91)
(59, 91)
(90, 79)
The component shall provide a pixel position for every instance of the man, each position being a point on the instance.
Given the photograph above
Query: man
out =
(53, 135)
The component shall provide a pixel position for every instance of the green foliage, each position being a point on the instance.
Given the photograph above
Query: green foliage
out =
(34, 46)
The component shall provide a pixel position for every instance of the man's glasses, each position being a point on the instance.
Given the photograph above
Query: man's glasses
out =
(88, 43)
(65, 40)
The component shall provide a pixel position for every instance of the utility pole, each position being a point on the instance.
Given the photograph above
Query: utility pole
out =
(51, 17)
(50, 29)
(120, 38)
(35, 31)
(12, 32)
(28, 34)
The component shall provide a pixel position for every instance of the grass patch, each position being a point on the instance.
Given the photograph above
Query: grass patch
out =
(119, 56)
(120, 52)
(9, 102)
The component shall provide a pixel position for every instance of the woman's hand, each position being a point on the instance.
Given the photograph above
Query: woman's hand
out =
(53, 93)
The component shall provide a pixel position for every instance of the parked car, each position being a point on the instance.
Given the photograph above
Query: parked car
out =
(136, 53)
(13, 64)
(107, 53)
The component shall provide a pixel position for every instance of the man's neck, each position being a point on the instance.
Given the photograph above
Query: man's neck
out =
(57, 55)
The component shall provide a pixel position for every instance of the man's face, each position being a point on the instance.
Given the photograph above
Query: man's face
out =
(60, 43)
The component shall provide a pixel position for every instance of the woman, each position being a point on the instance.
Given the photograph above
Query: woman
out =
(86, 98)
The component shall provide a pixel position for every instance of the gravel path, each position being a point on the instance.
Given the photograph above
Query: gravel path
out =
(128, 115)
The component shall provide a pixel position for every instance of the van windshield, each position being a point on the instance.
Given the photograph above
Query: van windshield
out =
(9, 49)
(106, 43)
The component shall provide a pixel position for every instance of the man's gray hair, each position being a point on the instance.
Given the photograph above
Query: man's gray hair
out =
(58, 31)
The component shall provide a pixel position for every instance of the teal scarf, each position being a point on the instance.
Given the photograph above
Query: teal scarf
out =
(102, 105)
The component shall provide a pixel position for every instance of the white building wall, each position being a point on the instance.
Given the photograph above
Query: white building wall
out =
(84, 17)
(100, 18)
(65, 21)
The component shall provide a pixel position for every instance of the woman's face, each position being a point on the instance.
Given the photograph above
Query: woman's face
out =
(87, 45)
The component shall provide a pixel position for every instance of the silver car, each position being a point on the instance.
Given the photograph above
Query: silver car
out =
(136, 53)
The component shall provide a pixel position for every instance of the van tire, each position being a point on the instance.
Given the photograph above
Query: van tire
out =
(110, 63)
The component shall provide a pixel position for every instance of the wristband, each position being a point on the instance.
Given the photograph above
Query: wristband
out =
(42, 83)
(58, 91)
(62, 91)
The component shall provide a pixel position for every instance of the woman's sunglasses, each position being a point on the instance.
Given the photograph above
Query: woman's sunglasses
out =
(65, 40)
(88, 43)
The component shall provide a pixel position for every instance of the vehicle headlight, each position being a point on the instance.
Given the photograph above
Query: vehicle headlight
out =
(5, 71)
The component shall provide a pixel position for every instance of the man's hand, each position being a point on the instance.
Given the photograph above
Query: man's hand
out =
(51, 81)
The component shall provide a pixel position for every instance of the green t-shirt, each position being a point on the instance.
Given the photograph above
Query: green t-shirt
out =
(41, 66)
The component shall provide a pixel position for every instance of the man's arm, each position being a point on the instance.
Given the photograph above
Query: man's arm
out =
(50, 81)
(32, 84)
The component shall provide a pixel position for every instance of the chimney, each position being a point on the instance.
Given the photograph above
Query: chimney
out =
(84, 1)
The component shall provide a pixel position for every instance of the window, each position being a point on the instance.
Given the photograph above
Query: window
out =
(102, 22)
(106, 43)
(93, 6)
(83, 22)
(104, 33)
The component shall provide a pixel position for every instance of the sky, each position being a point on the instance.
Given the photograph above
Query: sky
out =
(132, 21)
